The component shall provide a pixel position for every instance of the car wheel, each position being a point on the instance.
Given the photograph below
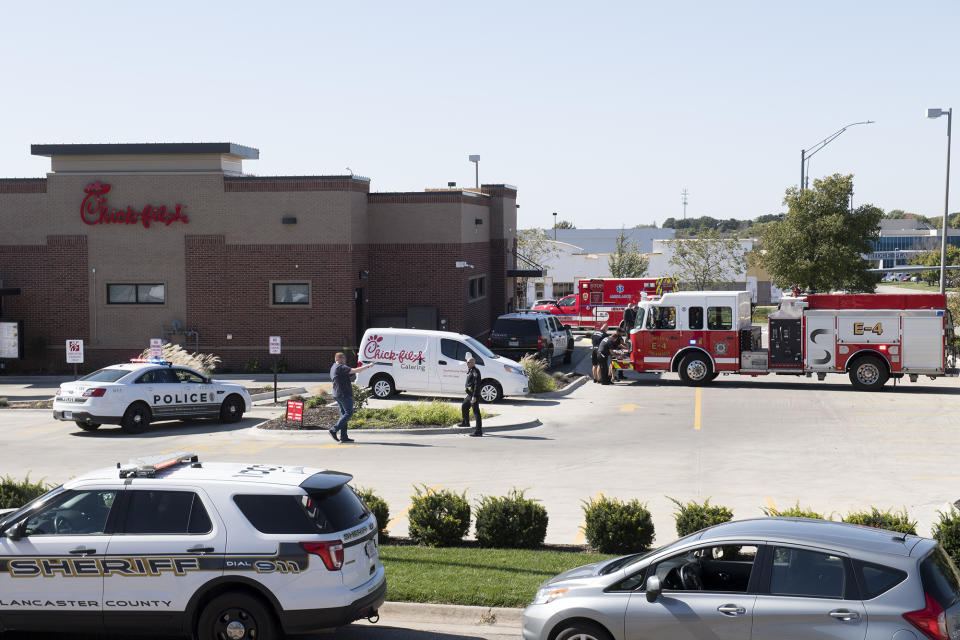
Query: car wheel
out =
(869, 373)
(695, 369)
(236, 615)
(88, 426)
(232, 409)
(490, 391)
(136, 418)
(582, 630)
(382, 386)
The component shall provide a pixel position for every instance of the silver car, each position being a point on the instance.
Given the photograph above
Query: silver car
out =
(762, 579)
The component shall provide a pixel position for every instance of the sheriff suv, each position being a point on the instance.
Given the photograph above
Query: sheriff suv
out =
(172, 546)
(143, 390)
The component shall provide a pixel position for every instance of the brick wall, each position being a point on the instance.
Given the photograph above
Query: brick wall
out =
(53, 301)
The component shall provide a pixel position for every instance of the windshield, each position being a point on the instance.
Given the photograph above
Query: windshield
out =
(566, 302)
(36, 502)
(480, 349)
(105, 375)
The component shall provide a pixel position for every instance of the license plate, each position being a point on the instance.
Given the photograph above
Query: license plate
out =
(514, 343)
(68, 414)
(370, 548)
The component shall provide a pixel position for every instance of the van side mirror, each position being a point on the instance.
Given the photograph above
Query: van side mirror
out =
(653, 588)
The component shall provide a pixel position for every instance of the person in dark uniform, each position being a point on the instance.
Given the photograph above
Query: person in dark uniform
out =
(607, 345)
(629, 320)
(596, 338)
(472, 387)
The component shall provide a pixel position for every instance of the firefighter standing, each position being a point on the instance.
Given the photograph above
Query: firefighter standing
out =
(596, 338)
(472, 388)
(607, 345)
(629, 320)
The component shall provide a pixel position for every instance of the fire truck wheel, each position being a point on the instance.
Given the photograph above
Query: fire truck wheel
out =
(490, 391)
(695, 369)
(136, 418)
(869, 373)
(382, 386)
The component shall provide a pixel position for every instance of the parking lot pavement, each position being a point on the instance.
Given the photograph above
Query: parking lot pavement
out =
(745, 443)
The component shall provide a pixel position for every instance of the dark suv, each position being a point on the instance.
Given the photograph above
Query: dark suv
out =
(516, 334)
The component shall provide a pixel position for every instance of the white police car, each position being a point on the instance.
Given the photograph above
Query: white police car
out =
(170, 546)
(143, 390)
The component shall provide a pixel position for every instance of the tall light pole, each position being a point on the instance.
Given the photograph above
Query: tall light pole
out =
(554, 226)
(936, 113)
(806, 154)
(476, 168)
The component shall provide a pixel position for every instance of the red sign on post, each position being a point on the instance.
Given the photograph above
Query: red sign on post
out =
(295, 411)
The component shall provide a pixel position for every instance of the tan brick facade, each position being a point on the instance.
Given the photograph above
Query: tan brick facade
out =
(366, 257)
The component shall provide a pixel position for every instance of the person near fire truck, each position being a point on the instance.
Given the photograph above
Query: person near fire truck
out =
(605, 352)
(472, 388)
(596, 338)
(629, 316)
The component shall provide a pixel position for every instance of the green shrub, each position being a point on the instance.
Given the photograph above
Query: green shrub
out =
(947, 532)
(890, 520)
(512, 521)
(612, 526)
(540, 380)
(16, 493)
(252, 366)
(319, 400)
(380, 510)
(438, 518)
(692, 516)
(796, 511)
(4, 402)
(360, 396)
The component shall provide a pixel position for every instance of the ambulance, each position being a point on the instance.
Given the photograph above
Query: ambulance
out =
(602, 300)
(870, 337)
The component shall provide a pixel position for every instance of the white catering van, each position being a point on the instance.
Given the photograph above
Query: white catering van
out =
(434, 362)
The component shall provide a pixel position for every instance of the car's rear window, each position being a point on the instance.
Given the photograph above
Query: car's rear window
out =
(105, 375)
(940, 578)
(303, 514)
(877, 578)
(517, 327)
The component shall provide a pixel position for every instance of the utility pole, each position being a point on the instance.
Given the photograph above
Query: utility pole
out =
(684, 194)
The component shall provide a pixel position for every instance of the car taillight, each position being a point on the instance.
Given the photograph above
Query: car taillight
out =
(490, 340)
(58, 391)
(94, 393)
(539, 342)
(330, 551)
(931, 620)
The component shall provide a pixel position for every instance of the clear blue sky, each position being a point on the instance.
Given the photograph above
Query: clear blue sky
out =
(602, 112)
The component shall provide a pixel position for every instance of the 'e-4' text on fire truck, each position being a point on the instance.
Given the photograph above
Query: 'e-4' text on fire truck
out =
(872, 337)
(602, 300)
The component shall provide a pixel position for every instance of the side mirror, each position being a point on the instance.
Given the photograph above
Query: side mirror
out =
(567, 327)
(653, 588)
(14, 531)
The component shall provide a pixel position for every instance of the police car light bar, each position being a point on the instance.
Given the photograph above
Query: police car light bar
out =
(149, 466)
(152, 360)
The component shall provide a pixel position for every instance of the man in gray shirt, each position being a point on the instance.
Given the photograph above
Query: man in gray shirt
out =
(340, 374)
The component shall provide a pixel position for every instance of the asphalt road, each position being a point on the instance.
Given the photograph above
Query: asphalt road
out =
(745, 443)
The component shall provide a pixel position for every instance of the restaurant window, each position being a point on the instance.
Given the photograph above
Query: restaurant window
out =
(291, 293)
(136, 294)
(478, 287)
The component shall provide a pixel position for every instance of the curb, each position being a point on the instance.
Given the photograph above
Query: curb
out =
(570, 388)
(451, 613)
(282, 393)
(427, 432)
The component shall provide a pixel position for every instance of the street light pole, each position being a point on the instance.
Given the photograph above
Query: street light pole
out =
(475, 159)
(554, 226)
(936, 113)
(806, 154)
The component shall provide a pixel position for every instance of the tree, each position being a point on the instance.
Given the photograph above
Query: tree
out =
(707, 260)
(932, 259)
(536, 246)
(820, 244)
(564, 224)
(627, 261)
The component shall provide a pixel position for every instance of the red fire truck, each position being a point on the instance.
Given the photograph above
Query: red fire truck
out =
(602, 300)
(871, 337)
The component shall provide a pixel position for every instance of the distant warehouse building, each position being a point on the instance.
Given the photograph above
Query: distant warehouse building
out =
(122, 243)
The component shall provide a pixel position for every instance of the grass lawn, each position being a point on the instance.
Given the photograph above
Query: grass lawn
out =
(761, 312)
(920, 286)
(472, 576)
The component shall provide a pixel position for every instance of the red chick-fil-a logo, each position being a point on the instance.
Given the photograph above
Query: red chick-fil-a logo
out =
(372, 351)
(95, 210)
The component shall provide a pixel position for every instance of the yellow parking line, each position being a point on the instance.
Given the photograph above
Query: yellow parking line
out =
(35, 429)
(582, 531)
(332, 445)
(321, 387)
(403, 514)
(771, 505)
(696, 412)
